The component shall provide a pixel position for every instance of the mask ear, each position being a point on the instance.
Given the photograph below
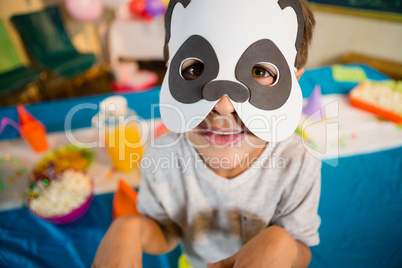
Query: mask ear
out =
(297, 7)
(168, 21)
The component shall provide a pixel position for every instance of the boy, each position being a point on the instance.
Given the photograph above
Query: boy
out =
(238, 190)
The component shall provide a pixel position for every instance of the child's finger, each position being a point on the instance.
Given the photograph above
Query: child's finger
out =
(226, 263)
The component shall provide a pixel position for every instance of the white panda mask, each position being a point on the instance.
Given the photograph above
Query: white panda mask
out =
(230, 37)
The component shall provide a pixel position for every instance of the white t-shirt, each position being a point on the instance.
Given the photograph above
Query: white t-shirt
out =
(216, 216)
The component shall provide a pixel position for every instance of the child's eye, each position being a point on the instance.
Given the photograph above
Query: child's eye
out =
(192, 69)
(265, 74)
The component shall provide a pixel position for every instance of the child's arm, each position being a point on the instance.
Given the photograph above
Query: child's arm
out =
(273, 247)
(128, 237)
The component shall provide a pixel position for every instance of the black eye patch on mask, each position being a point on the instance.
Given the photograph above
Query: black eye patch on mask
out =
(265, 97)
(190, 91)
(261, 96)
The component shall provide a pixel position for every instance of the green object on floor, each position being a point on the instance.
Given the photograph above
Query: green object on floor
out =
(48, 44)
(342, 73)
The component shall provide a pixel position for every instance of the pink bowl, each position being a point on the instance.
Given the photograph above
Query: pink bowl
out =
(70, 217)
(73, 215)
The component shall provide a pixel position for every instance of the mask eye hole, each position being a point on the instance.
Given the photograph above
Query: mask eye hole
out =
(191, 69)
(265, 73)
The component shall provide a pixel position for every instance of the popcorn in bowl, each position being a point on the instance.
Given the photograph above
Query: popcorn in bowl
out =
(61, 198)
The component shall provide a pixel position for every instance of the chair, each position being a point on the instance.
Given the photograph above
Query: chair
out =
(48, 45)
(14, 77)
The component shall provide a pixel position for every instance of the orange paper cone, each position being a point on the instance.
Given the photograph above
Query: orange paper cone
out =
(32, 130)
(124, 201)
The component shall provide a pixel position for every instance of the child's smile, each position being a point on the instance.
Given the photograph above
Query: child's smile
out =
(222, 136)
(223, 139)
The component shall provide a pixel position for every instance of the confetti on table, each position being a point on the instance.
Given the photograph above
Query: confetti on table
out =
(16, 160)
(23, 170)
(1, 160)
(18, 173)
(110, 173)
(7, 157)
(353, 136)
(342, 141)
(3, 186)
(314, 146)
(11, 179)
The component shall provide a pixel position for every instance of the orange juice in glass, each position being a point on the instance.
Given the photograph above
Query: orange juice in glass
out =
(124, 145)
(120, 127)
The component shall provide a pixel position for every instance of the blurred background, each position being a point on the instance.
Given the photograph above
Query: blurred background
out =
(116, 45)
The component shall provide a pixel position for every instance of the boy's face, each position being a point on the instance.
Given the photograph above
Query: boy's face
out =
(221, 139)
(237, 51)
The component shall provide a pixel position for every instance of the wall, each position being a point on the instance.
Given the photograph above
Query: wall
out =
(337, 34)
(83, 35)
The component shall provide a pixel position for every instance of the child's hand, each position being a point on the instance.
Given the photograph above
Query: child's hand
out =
(121, 246)
(274, 247)
(128, 237)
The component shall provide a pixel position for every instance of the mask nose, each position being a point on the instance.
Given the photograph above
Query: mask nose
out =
(215, 90)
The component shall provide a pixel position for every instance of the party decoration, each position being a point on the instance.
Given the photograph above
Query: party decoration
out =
(155, 8)
(124, 201)
(32, 130)
(314, 104)
(84, 10)
(160, 129)
(138, 8)
(7, 157)
(228, 53)
(7, 121)
(165, 2)
(16, 160)
(3, 186)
